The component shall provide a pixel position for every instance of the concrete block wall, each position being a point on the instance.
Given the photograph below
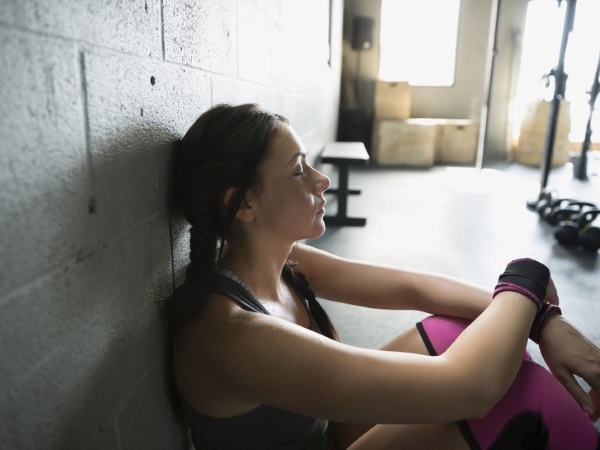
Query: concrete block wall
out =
(92, 94)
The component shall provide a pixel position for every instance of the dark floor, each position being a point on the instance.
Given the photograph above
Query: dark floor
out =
(464, 223)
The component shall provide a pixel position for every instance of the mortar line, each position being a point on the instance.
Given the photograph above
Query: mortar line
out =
(162, 29)
(88, 146)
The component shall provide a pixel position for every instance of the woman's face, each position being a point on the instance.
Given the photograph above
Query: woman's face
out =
(290, 200)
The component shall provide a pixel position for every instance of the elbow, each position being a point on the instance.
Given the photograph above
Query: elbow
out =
(480, 409)
(484, 396)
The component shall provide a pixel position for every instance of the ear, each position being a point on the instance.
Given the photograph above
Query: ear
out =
(246, 210)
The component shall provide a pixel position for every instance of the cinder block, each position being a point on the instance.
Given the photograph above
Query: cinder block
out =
(270, 99)
(457, 142)
(202, 34)
(259, 45)
(393, 100)
(44, 172)
(123, 281)
(410, 142)
(136, 111)
(181, 247)
(300, 111)
(531, 144)
(79, 341)
(157, 428)
(232, 91)
(129, 26)
(104, 439)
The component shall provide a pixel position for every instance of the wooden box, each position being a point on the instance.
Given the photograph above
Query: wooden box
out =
(392, 100)
(531, 144)
(409, 142)
(457, 143)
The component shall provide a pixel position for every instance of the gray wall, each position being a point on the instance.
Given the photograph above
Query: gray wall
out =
(464, 99)
(92, 95)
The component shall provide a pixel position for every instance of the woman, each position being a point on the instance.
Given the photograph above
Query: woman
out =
(257, 363)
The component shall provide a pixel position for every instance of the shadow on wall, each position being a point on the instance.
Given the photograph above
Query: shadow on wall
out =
(86, 341)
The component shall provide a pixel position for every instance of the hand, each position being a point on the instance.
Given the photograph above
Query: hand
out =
(569, 353)
(551, 294)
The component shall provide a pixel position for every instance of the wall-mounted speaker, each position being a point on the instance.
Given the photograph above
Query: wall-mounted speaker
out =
(362, 33)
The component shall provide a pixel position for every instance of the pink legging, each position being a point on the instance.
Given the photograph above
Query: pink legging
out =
(537, 412)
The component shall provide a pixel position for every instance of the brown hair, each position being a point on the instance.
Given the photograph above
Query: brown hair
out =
(222, 149)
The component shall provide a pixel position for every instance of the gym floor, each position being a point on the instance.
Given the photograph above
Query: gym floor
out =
(464, 223)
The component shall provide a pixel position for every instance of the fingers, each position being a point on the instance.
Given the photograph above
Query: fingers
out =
(587, 402)
(596, 401)
(551, 293)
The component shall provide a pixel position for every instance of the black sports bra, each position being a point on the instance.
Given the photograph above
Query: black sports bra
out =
(264, 427)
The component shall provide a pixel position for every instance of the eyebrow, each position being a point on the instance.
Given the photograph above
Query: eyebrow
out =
(296, 155)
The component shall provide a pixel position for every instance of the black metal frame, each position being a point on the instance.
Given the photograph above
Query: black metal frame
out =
(560, 83)
(580, 169)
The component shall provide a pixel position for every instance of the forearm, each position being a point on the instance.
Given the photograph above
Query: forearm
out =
(442, 295)
(502, 330)
(491, 347)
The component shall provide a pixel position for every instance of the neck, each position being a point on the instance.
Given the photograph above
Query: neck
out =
(259, 266)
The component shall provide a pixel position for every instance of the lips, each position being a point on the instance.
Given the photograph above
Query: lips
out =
(322, 208)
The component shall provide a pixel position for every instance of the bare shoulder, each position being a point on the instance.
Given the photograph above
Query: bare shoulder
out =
(206, 352)
(230, 360)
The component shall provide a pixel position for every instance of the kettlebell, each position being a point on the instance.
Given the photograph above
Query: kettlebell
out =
(589, 236)
(569, 220)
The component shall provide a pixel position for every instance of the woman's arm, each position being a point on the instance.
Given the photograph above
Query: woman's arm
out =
(385, 287)
(267, 360)
(564, 348)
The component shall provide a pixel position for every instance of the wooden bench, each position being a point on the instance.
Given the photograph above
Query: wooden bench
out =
(344, 155)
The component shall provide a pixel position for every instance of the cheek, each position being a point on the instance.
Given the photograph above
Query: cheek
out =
(290, 211)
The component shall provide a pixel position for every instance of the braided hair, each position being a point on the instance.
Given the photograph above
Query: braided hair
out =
(221, 150)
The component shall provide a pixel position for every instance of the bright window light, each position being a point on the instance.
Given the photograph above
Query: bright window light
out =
(416, 45)
(541, 46)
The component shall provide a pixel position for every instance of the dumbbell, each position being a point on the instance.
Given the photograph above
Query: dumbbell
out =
(589, 236)
(570, 220)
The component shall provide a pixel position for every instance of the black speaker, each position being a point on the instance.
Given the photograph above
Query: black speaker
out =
(362, 33)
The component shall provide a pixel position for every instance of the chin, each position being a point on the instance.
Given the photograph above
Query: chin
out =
(320, 231)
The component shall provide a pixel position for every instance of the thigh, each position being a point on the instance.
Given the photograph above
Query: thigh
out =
(422, 437)
(409, 341)
(345, 434)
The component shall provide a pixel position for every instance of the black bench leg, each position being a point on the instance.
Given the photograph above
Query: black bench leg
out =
(342, 192)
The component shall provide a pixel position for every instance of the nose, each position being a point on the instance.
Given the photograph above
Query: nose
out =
(322, 183)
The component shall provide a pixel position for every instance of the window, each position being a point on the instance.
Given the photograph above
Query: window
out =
(541, 47)
(418, 41)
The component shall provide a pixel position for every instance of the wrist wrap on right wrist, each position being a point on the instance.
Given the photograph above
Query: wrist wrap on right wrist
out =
(527, 277)
(540, 319)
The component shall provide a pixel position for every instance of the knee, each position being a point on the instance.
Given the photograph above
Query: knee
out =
(537, 397)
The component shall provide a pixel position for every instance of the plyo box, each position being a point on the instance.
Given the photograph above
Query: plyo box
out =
(410, 142)
(457, 142)
(393, 100)
(531, 144)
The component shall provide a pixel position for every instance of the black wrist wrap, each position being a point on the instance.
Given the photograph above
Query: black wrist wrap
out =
(540, 318)
(527, 277)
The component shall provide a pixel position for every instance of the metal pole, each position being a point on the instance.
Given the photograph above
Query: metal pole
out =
(560, 82)
(487, 91)
(580, 171)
